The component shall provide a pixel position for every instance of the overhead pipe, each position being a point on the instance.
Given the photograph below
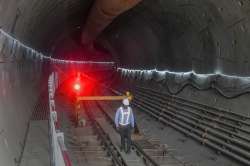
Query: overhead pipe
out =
(102, 13)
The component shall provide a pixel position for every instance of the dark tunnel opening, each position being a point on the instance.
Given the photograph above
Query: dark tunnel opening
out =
(186, 64)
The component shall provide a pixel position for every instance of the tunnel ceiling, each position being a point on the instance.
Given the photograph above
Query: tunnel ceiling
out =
(205, 36)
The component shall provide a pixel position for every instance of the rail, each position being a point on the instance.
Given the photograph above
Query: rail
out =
(146, 158)
(112, 150)
(189, 118)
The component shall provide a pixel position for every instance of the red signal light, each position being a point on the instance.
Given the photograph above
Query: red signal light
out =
(77, 86)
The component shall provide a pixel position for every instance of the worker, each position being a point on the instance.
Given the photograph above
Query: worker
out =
(124, 121)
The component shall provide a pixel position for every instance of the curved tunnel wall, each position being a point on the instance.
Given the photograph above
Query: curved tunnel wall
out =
(40, 23)
(20, 87)
(204, 36)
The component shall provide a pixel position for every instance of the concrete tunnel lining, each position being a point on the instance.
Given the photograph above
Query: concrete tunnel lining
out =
(205, 36)
(201, 36)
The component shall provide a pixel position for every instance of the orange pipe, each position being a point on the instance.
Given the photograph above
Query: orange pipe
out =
(103, 12)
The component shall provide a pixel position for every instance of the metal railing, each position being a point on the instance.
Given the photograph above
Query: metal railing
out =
(59, 153)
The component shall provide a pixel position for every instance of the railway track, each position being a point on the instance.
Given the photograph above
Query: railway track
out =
(88, 144)
(99, 118)
(96, 142)
(150, 150)
(226, 132)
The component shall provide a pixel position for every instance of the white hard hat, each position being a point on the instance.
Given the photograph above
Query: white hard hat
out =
(125, 102)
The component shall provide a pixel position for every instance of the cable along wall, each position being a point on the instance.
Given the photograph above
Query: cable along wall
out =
(175, 82)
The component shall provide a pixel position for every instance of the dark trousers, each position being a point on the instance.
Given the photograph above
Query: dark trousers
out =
(125, 132)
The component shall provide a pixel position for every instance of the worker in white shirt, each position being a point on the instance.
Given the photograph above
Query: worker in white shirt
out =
(124, 121)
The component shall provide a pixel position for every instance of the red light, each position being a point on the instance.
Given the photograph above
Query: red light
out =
(77, 86)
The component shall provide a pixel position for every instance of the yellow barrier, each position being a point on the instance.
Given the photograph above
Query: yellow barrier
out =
(103, 98)
(96, 98)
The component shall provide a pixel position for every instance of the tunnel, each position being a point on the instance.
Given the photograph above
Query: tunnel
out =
(184, 65)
